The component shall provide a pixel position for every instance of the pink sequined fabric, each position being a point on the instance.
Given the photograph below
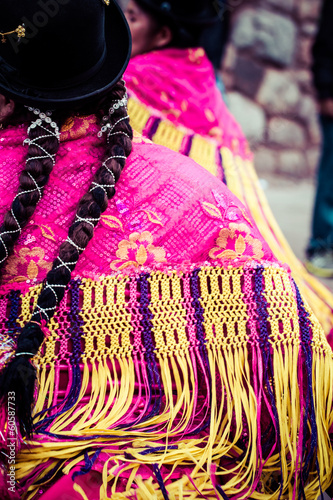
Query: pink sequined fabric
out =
(167, 211)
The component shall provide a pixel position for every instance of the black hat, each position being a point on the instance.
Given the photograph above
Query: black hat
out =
(71, 50)
(188, 12)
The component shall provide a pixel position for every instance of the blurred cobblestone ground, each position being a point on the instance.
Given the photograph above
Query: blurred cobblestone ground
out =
(291, 202)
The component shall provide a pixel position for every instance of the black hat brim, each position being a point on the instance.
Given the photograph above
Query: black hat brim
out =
(118, 52)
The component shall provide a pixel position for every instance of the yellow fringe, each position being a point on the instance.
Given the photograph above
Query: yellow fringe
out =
(204, 153)
(138, 116)
(234, 407)
(243, 181)
(79, 490)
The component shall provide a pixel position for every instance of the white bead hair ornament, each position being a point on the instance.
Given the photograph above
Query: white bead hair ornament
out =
(43, 118)
(108, 127)
(47, 119)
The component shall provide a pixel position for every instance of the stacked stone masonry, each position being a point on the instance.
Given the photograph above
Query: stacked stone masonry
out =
(267, 74)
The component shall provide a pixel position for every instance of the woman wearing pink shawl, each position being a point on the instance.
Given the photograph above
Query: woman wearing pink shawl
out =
(175, 102)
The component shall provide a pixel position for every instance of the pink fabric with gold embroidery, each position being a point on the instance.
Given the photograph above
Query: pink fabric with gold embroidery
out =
(167, 210)
(180, 83)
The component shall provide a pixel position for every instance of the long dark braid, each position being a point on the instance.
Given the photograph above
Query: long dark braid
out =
(43, 146)
(20, 375)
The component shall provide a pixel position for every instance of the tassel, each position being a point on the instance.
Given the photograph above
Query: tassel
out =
(18, 378)
(160, 481)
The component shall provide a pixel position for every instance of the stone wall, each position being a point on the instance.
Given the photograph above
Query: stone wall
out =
(266, 71)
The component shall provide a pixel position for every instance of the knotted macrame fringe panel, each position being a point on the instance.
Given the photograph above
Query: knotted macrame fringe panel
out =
(233, 163)
(216, 383)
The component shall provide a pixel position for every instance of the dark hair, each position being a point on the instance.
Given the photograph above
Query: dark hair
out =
(39, 165)
(184, 34)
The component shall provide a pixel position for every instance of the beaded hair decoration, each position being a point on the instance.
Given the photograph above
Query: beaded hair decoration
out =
(106, 127)
(43, 118)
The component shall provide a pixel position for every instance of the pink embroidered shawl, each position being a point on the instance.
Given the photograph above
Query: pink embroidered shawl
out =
(167, 210)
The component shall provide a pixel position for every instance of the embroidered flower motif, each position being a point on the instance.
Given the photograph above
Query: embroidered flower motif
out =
(137, 251)
(210, 115)
(112, 222)
(217, 133)
(240, 227)
(153, 217)
(184, 106)
(173, 112)
(233, 245)
(225, 211)
(47, 232)
(196, 55)
(76, 127)
(135, 81)
(26, 264)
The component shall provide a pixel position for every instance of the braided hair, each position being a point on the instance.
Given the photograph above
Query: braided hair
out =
(20, 375)
(39, 164)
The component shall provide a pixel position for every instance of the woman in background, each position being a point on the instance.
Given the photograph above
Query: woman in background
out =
(175, 102)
